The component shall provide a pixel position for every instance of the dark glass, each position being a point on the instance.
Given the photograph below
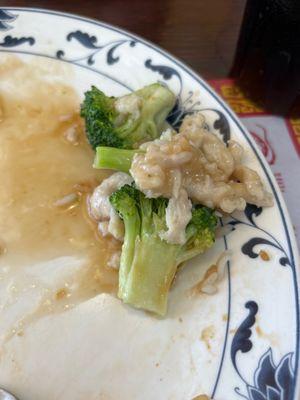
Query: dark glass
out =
(267, 61)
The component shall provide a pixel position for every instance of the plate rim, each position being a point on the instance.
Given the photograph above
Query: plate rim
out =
(282, 207)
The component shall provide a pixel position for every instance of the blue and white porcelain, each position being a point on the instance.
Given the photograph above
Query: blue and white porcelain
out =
(243, 341)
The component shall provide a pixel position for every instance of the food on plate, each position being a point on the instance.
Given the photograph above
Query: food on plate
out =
(149, 262)
(193, 159)
(61, 235)
(127, 121)
(162, 202)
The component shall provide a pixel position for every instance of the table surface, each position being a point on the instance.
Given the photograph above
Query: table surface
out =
(202, 33)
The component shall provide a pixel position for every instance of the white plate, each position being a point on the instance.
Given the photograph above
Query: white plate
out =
(241, 343)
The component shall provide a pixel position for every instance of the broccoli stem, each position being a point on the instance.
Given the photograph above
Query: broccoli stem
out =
(113, 158)
(148, 281)
(132, 227)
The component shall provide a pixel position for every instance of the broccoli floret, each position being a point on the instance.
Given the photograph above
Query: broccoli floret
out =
(99, 114)
(106, 126)
(148, 263)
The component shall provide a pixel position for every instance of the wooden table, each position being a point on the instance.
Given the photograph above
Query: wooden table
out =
(203, 33)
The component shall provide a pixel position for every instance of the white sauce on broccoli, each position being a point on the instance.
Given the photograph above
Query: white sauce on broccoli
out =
(130, 104)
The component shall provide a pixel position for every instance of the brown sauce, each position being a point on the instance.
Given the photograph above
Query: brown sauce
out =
(40, 165)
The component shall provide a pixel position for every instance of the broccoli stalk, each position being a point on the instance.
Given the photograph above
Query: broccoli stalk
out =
(142, 119)
(112, 158)
(148, 263)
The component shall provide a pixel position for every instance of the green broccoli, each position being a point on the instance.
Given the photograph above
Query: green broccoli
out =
(148, 263)
(105, 126)
(112, 158)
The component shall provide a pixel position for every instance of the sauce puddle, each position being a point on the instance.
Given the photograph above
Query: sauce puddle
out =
(46, 175)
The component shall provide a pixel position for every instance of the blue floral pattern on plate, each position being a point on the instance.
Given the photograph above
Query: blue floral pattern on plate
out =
(271, 381)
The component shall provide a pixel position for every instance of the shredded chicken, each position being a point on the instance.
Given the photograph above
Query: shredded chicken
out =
(101, 209)
(100, 205)
(178, 215)
(115, 225)
(211, 173)
(103, 228)
(114, 261)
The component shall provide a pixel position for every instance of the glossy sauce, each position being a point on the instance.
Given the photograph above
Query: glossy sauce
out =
(39, 166)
